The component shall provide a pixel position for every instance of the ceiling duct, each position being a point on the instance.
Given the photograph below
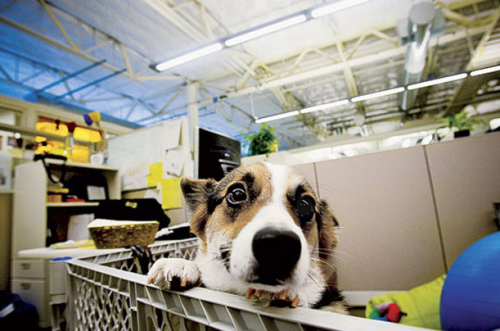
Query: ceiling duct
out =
(424, 21)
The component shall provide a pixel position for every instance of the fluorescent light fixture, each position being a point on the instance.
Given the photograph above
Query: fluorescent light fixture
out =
(324, 106)
(189, 56)
(265, 30)
(485, 71)
(378, 94)
(276, 117)
(335, 7)
(437, 81)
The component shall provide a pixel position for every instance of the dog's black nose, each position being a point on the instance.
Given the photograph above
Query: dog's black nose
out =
(277, 252)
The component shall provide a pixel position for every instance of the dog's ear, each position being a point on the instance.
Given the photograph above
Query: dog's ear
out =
(327, 237)
(198, 193)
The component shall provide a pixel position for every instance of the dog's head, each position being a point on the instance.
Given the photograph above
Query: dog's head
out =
(264, 225)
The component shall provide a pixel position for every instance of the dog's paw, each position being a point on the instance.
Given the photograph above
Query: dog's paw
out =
(285, 298)
(174, 274)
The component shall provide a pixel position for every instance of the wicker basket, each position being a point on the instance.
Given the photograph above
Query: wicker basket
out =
(118, 236)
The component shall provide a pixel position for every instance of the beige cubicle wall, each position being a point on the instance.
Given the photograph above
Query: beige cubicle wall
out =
(406, 215)
(309, 172)
(389, 238)
(466, 179)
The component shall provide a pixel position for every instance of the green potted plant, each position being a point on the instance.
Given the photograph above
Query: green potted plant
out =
(461, 122)
(263, 141)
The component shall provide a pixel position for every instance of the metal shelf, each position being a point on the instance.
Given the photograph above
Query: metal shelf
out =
(72, 204)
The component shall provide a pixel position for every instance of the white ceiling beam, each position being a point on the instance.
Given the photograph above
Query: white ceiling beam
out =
(96, 46)
(159, 78)
(206, 23)
(479, 51)
(58, 24)
(384, 36)
(464, 20)
(83, 53)
(243, 81)
(457, 4)
(173, 17)
(356, 45)
(169, 102)
(24, 29)
(126, 60)
(329, 69)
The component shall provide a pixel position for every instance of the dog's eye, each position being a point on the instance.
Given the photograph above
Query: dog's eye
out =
(236, 196)
(305, 208)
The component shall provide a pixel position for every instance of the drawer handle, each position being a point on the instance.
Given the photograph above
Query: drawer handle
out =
(26, 266)
(25, 286)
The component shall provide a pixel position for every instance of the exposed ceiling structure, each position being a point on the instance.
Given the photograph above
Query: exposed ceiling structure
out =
(97, 55)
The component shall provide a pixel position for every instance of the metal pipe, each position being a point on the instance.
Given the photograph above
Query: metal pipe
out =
(420, 25)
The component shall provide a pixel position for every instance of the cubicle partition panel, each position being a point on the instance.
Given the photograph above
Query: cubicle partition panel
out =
(465, 176)
(406, 215)
(388, 234)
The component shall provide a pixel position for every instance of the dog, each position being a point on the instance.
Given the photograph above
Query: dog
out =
(263, 234)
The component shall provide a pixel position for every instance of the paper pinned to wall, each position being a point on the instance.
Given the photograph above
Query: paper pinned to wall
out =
(155, 174)
(174, 160)
(172, 133)
(171, 194)
(134, 152)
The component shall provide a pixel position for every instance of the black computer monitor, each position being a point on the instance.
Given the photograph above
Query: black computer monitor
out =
(215, 154)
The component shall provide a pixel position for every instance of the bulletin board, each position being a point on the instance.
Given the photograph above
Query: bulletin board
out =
(135, 152)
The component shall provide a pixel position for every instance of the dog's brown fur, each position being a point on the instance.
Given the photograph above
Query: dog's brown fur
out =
(212, 216)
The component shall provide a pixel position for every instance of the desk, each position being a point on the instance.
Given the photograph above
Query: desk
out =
(43, 284)
(31, 277)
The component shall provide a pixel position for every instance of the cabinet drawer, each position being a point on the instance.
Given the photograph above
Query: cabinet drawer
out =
(28, 269)
(32, 291)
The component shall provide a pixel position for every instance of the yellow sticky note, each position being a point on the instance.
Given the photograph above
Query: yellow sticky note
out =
(171, 194)
(155, 174)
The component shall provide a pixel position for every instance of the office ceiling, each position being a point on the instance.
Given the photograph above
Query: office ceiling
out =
(100, 55)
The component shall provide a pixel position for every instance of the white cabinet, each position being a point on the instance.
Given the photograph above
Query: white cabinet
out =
(37, 223)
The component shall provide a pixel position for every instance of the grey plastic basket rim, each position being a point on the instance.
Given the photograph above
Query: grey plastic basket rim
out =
(303, 316)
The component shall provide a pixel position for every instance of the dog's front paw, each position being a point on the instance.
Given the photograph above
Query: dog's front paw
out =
(284, 298)
(174, 274)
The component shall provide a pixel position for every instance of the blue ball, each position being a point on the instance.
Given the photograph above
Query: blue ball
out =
(470, 299)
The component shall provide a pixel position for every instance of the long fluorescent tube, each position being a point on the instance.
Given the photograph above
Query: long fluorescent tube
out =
(335, 7)
(437, 81)
(276, 117)
(378, 94)
(484, 71)
(299, 17)
(265, 30)
(189, 56)
(324, 106)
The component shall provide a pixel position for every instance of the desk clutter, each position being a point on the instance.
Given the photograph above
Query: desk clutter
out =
(117, 234)
(110, 224)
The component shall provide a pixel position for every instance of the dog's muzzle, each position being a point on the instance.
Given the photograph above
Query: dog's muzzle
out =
(276, 252)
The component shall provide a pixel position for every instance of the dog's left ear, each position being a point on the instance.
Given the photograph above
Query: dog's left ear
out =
(198, 194)
(327, 236)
